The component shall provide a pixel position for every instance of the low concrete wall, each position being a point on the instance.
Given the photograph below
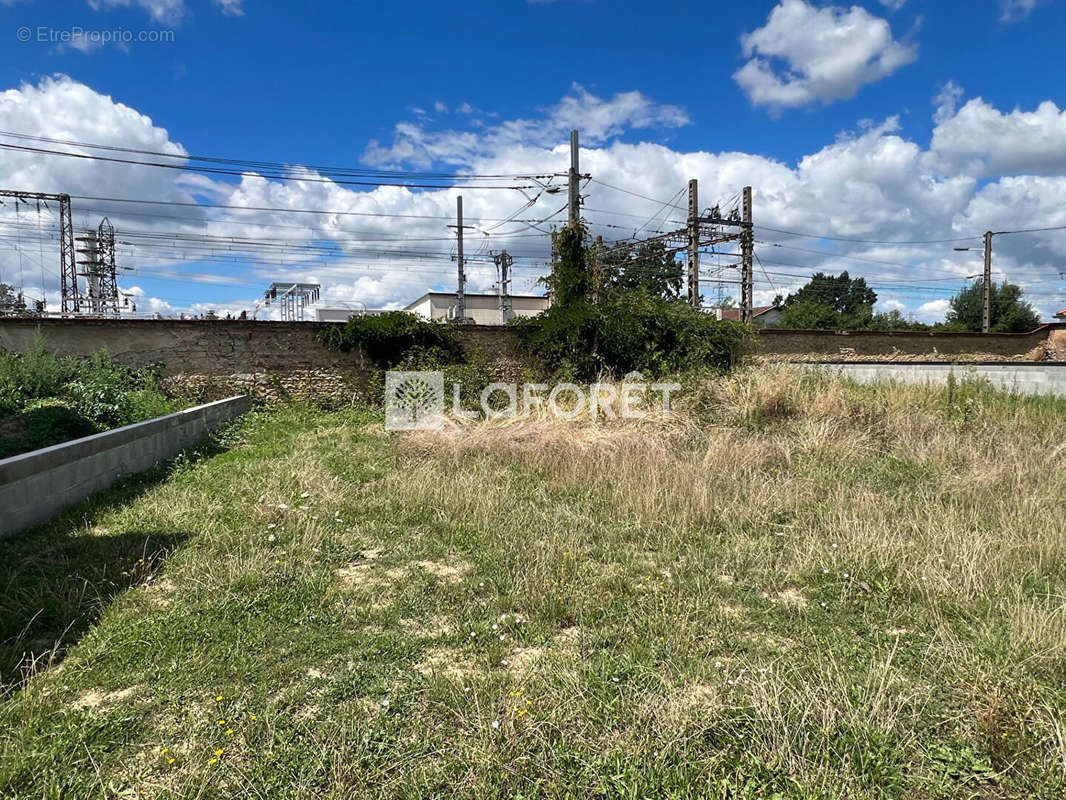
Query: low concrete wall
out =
(1035, 379)
(35, 486)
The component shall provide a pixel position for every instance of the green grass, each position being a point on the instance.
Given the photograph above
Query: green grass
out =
(801, 588)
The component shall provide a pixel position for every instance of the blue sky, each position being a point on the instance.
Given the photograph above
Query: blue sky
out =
(738, 95)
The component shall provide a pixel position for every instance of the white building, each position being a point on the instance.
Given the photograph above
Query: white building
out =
(482, 309)
(342, 314)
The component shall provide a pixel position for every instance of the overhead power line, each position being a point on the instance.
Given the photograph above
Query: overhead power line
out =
(286, 176)
(345, 171)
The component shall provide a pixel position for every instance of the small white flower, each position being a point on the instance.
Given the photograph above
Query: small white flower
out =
(466, 689)
(824, 605)
(495, 627)
(834, 545)
(495, 723)
(718, 665)
(825, 572)
(385, 703)
(730, 682)
(282, 506)
(615, 679)
(923, 577)
(473, 634)
(504, 662)
(271, 538)
(482, 585)
(502, 637)
(846, 575)
(271, 526)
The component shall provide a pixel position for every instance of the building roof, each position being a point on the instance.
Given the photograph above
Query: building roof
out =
(734, 313)
(1061, 313)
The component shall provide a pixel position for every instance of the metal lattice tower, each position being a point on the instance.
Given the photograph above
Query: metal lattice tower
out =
(293, 298)
(97, 267)
(68, 280)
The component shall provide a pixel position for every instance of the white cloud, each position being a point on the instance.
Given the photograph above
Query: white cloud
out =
(440, 107)
(983, 141)
(946, 102)
(893, 5)
(1013, 10)
(825, 54)
(871, 184)
(168, 12)
(598, 119)
(230, 8)
(933, 311)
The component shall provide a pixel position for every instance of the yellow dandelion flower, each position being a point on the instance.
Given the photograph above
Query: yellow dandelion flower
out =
(229, 732)
(221, 722)
(164, 751)
(218, 752)
(218, 699)
(213, 761)
(254, 717)
(171, 760)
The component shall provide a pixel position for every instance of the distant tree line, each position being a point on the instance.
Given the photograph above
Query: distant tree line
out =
(840, 302)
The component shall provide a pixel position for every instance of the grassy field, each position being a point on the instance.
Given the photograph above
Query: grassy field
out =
(797, 587)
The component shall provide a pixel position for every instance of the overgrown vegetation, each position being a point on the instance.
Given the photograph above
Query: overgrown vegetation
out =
(635, 330)
(47, 399)
(389, 338)
(626, 316)
(798, 587)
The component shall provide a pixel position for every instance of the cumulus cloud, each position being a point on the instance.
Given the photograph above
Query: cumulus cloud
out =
(982, 140)
(878, 204)
(806, 55)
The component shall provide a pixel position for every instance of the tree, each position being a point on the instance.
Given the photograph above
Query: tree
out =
(833, 302)
(650, 267)
(11, 302)
(1010, 314)
(571, 279)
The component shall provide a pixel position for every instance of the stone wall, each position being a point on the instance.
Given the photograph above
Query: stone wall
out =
(778, 344)
(272, 360)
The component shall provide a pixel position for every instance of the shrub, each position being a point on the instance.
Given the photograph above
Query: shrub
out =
(635, 331)
(26, 377)
(388, 338)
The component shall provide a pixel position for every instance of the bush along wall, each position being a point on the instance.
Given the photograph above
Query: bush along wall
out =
(388, 339)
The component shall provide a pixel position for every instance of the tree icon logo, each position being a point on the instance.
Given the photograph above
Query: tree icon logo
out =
(414, 401)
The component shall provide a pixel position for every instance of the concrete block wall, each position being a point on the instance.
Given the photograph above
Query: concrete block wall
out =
(36, 486)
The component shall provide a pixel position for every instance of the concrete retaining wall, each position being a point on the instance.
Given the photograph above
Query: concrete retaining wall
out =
(1035, 379)
(35, 486)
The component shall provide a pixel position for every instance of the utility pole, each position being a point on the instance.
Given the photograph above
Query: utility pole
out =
(747, 247)
(694, 299)
(597, 270)
(574, 202)
(503, 265)
(986, 318)
(460, 293)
